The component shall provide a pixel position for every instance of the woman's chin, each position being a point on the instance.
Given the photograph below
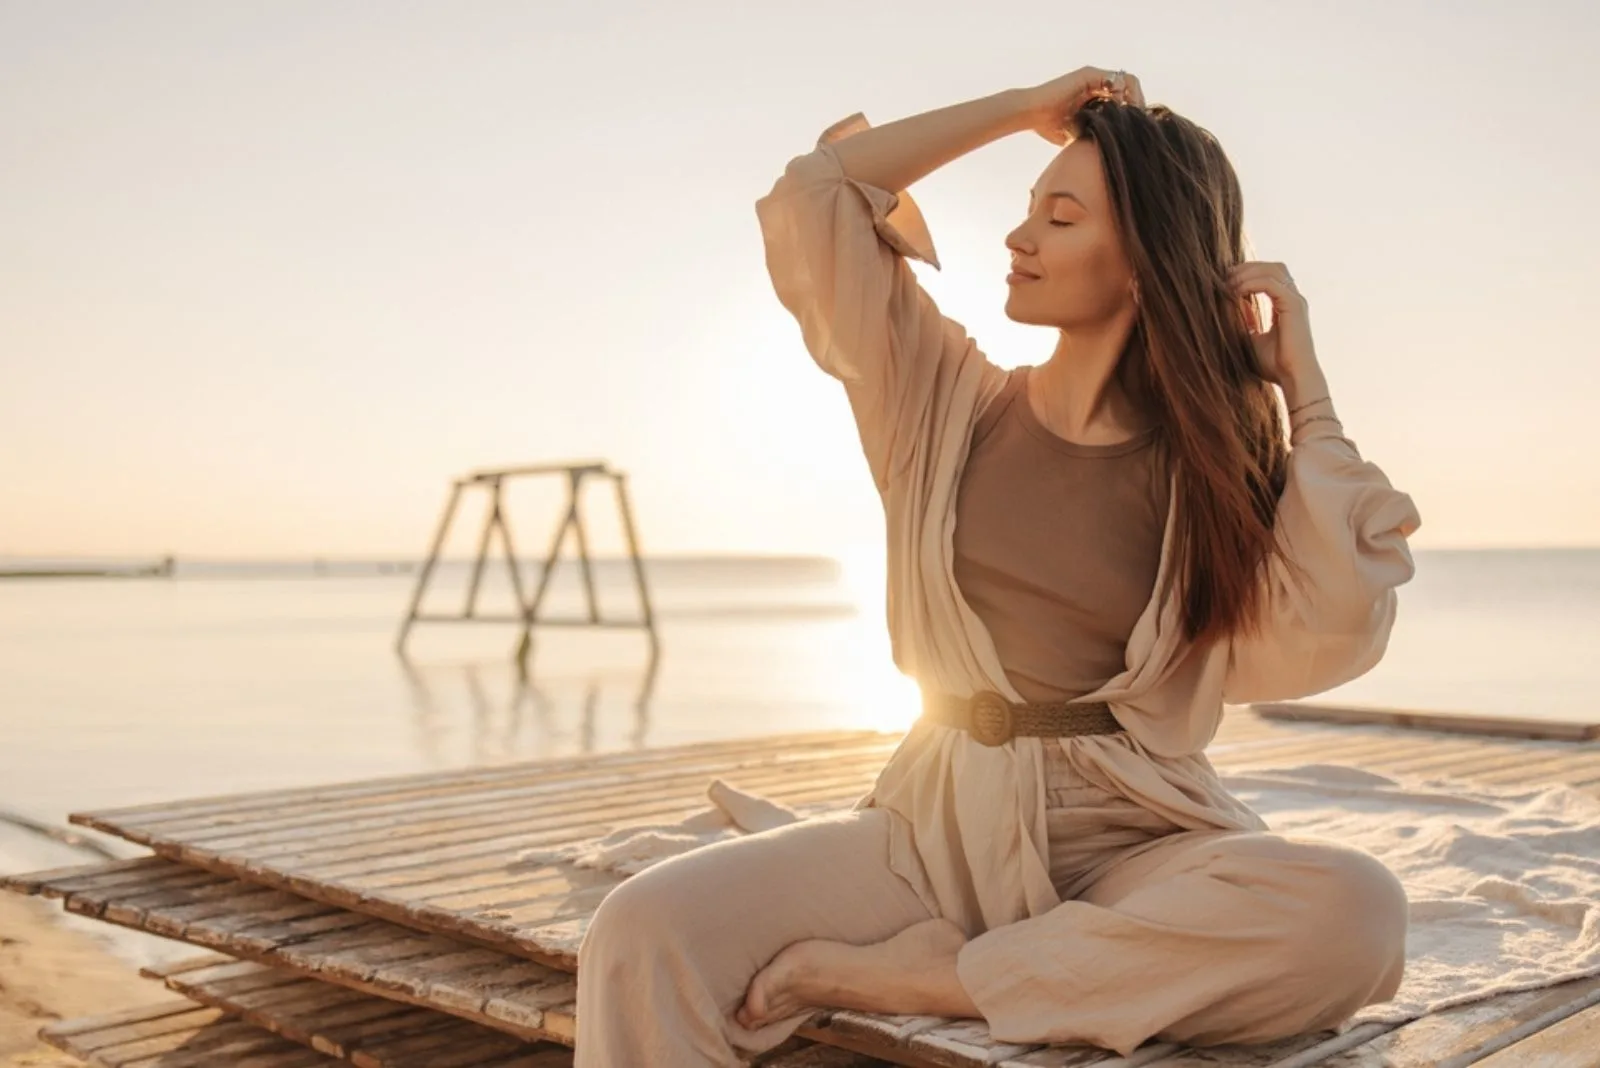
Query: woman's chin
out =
(1017, 312)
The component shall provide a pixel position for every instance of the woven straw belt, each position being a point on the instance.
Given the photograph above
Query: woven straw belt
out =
(993, 720)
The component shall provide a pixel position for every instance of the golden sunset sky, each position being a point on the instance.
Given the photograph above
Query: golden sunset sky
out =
(272, 273)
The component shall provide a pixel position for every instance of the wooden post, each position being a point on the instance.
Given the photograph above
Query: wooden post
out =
(427, 568)
(620, 481)
(574, 486)
(546, 570)
(483, 550)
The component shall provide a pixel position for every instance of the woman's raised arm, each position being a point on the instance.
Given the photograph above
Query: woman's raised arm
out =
(838, 227)
(898, 154)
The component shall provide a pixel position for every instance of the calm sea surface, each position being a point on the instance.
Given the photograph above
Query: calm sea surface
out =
(240, 677)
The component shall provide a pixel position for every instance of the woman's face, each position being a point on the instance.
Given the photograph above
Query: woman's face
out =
(1070, 246)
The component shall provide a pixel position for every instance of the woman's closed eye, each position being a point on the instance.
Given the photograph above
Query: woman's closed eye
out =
(1059, 222)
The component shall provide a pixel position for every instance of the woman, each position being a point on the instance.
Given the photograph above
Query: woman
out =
(1087, 559)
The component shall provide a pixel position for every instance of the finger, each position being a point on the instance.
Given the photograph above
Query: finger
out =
(1106, 83)
(1254, 281)
(1284, 297)
(1250, 266)
(1095, 80)
(1135, 91)
(1254, 272)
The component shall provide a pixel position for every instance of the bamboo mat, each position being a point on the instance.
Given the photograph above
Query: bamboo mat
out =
(178, 1034)
(407, 889)
(373, 1032)
(252, 1016)
(367, 1031)
(438, 852)
(509, 994)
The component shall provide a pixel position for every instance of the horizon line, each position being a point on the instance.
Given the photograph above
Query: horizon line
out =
(665, 556)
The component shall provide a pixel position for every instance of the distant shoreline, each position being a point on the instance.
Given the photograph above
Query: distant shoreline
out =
(21, 568)
(162, 569)
(35, 568)
(115, 560)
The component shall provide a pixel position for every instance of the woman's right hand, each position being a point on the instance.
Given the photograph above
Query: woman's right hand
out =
(1053, 105)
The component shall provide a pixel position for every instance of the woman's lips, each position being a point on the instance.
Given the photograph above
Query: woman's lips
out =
(1017, 277)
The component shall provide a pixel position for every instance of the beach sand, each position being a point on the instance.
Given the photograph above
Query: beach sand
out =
(49, 971)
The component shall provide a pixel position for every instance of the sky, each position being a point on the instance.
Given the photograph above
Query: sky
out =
(272, 274)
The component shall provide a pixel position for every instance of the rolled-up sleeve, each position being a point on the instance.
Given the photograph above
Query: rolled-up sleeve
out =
(1330, 599)
(837, 252)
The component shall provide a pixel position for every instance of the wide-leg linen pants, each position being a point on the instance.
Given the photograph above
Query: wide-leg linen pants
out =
(1200, 937)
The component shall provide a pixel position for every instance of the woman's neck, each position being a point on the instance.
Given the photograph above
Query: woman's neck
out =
(1076, 394)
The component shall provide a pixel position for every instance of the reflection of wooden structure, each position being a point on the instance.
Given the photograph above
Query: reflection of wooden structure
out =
(400, 919)
(494, 481)
(500, 727)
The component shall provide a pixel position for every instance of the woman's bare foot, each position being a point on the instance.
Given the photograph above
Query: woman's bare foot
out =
(913, 972)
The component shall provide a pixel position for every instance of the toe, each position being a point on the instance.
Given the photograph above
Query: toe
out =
(753, 1009)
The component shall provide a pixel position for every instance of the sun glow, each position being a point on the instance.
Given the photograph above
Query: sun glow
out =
(882, 698)
(893, 701)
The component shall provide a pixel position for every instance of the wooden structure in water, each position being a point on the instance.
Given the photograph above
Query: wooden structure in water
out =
(527, 617)
(390, 924)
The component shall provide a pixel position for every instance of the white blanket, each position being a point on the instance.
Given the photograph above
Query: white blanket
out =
(1504, 882)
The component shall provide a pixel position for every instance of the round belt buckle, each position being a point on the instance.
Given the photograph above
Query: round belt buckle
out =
(991, 719)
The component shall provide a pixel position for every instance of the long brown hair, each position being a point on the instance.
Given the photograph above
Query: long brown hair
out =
(1190, 360)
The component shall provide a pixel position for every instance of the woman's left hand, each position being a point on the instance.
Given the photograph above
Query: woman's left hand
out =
(1285, 352)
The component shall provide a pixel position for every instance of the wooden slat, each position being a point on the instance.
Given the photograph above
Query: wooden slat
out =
(458, 875)
(401, 887)
(929, 1040)
(1580, 769)
(920, 1039)
(177, 1034)
(551, 819)
(219, 834)
(1464, 763)
(815, 1056)
(382, 960)
(296, 811)
(186, 964)
(518, 996)
(1348, 745)
(372, 1032)
(30, 882)
(437, 880)
(368, 1031)
(1465, 1034)
(1572, 1043)
(343, 873)
(433, 783)
(1455, 722)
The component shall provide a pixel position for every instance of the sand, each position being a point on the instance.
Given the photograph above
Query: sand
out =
(49, 971)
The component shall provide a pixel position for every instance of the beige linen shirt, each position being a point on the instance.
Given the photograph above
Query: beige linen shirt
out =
(973, 842)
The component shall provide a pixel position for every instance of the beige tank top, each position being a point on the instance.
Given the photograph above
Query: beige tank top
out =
(1057, 545)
